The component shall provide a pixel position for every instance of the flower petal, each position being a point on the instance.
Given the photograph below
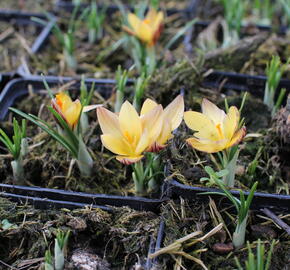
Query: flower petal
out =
(202, 124)
(116, 145)
(109, 122)
(148, 105)
(239, 135)
(130, 123)
(143, 143)
(142, 30)
(231, 122)
(152, 121)
(212, 111)
(128, 160)
(165, 134)
(174, 112)
(206, 145)
(72, 113)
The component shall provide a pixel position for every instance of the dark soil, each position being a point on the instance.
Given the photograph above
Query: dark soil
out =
(99, 60)
(28, 5)
(113, 240)
(15, 44)
(187, 217)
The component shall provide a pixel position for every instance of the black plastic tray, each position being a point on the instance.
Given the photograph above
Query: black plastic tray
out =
(260, 200)
(81, 199)
(111, 9)
(18, 88)
(242, 82)
(4, 78)
(45, 203)
(201, 25)
(25, 18)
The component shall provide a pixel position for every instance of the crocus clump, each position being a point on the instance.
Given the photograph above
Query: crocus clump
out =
(147, 30)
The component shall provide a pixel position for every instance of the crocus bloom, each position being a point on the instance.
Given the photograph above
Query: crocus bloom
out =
(214, 130)
(128, 135)
(172, 117)
(147, 30)
(69, 110)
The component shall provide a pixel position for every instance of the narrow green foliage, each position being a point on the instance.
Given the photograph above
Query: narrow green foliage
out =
(234, 12)
(274, 72)
(60, 249)
(140, 86)
(257, 262)
(67, 38)
(95, 21)
(17, 147)
(242, 206)
(70, 139)
(85, 98)
(263, 10)
(145, 175)
(48, 261)
(14, 145)
(181, 32)
(121, 82)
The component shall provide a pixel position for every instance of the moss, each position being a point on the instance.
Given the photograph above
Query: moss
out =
(118, 235)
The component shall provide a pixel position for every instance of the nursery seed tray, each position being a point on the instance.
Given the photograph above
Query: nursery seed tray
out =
(26, 19)
(111, 9)
(18, 88)
(242, 82)
(81, 198)
(260, 200)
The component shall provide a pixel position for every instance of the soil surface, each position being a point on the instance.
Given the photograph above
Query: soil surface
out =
(183, 217)
(98, 239)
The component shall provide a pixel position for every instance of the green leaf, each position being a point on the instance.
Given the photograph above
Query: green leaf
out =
(44, 126)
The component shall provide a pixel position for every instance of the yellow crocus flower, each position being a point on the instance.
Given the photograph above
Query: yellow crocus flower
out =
(69, 110)
(147, 30)
(128, 135)
(172, 118)
(214, 129)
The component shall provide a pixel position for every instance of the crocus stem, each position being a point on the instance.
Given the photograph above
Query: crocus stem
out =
(239, 234)
(151, 60)
(92, 35)
(84, 122)
(138, 177)
(18, 171)
(119, 100)
(84, 160)
(230, 165)
(70, 60)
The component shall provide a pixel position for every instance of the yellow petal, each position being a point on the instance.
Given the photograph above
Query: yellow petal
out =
(143, 143)
(89, 108)
(151, 15)
(158, 21)
(141, 29)
(72, 113)
(206, 145)
(239, 135)
(116, 145)
(212, 111)
(147, 106)
(130, 123)
(128, 160)
(63, 101)
(231, 122)
(165, 134)
(152, 121)
(201, 123)
(174, 112)
(109, 122)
